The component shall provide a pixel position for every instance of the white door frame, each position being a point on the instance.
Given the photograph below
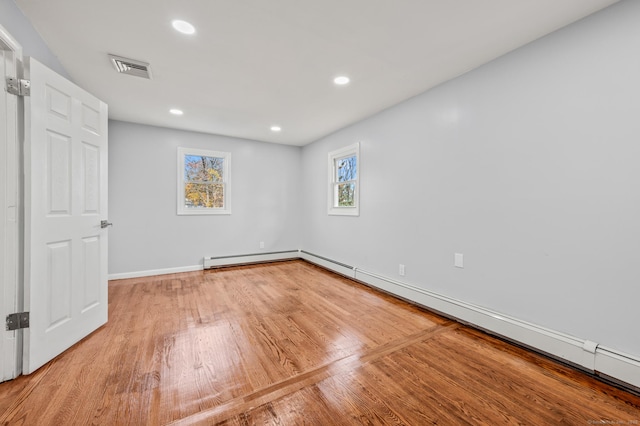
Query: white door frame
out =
(11, 215)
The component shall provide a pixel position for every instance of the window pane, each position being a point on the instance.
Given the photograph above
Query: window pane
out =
(344, 177)
(346, 194)
(346, 169)
(203, 169)
(209, 195)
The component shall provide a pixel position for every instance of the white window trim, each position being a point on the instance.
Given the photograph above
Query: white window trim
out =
(182, 210)
(333, 156)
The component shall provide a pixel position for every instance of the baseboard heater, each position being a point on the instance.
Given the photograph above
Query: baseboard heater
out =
(333, 265)
(246, 259)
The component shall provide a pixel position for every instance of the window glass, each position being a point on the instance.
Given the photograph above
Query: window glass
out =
(203, 182)
(344, 183)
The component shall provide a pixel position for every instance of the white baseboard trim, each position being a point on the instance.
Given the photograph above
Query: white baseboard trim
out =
(152, 272)
(584, 354)
(245, 259)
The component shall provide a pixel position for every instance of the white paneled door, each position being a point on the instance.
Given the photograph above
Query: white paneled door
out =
(65, 202)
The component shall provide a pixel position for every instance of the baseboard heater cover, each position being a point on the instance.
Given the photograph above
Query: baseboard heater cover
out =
(245, 259)
(624, 369)
(333, 265)
(618, 367)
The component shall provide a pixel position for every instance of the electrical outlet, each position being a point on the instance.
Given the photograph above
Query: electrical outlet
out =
(401, 270)
(458, 260)
(261, 244)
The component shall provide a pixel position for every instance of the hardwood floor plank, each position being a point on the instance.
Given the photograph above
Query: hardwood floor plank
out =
(580, 400)
(447, 384)
(298, 382)
(289, 343)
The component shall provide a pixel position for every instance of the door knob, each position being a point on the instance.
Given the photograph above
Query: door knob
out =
(105, 223)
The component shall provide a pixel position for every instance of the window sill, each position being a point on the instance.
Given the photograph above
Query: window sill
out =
(203, 212)
(345, 211)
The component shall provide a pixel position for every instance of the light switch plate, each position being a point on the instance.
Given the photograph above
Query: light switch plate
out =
(458, 260)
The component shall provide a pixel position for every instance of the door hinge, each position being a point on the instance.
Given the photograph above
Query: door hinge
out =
(19, 87)
(17, 321)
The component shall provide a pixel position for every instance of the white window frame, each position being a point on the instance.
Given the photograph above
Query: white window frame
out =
(182, 209)
(334, 209)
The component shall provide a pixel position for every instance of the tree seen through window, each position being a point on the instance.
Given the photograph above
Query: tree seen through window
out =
(347, 173)
(204, 181)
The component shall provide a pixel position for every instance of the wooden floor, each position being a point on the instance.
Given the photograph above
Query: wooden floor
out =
(291, 344)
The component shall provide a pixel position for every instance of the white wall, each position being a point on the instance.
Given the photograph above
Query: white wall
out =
(149, 235)
(529, 166)
(13, 20)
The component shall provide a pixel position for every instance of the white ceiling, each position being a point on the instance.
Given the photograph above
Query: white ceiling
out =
(256, 63)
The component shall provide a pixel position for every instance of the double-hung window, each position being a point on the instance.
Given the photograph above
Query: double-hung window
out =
(203, 182)
(344, 182)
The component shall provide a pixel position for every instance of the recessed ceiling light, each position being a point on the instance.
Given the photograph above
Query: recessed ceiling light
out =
(276, 128)
(341, 80)
(176, 111)
(183, 26)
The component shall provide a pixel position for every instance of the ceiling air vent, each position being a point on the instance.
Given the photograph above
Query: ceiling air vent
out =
(130, 66)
